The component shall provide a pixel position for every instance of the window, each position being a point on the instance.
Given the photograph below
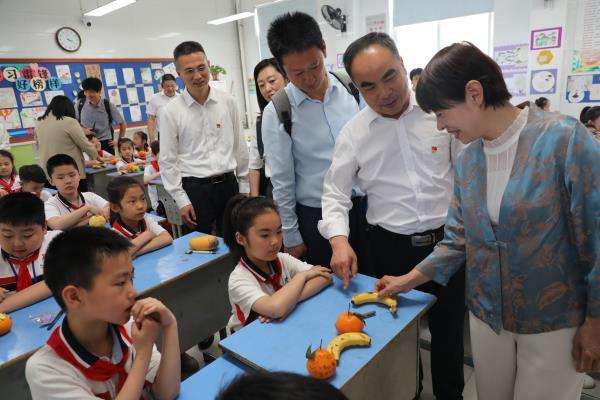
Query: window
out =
(417, 43)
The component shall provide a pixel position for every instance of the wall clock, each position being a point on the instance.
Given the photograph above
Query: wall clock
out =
(68, 39)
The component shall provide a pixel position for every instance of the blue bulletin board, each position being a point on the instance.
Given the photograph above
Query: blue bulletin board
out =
(28, 86)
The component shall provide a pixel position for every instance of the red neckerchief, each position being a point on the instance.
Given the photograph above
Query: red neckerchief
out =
(155, 165)
(99, 370)
(8, 185)
(128, 162)
(273, 279)
(100, 153)
(70, 206)
(129, 233)
(22, 274)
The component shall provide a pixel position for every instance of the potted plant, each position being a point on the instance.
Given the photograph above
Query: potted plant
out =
(215, 70)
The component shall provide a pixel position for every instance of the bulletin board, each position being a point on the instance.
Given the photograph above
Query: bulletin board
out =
(28, 85)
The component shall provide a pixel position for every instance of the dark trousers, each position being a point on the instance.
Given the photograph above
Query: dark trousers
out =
(106, 147)
(209, 199)
(394, 254)
(318, 249)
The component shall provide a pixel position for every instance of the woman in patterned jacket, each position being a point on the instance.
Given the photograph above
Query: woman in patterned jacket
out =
(525, 218)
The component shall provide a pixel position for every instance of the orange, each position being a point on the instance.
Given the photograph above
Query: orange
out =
(320, 363)
(349, 322)
(142, 154)
(5, 324)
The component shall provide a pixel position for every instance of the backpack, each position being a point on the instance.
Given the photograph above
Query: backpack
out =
(282, 105)
(81, 103)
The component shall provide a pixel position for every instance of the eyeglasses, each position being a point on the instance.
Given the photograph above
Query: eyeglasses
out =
(191, 71)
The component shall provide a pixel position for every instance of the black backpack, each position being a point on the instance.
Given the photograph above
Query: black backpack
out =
(282, 105)
(81, 103)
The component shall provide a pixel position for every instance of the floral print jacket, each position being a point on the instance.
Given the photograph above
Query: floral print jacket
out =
(539, 269)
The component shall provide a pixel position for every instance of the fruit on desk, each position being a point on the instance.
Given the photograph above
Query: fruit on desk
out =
(114, 161)
(207, 242)
(320, 363)
(351, 322)
(97, 220)
(346, 340)
(5, 324)
(98, 166)
(371, 297)
(142, 154)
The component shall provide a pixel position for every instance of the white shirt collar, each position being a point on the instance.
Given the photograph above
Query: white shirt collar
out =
(372, 115)
(300, 96)
(189, 100)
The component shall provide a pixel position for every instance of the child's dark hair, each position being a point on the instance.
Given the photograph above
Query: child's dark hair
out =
(279, 386)
(144, 138)
(239, 215)
(443, 81)
(58, 160)
(292, 33)
(32, 173)
(155, 147)
(8, 154)
(116, 190)
(415, 72)
(541, 102)
(589, 115)
(74, 257)
(22, 208)
(124, 140)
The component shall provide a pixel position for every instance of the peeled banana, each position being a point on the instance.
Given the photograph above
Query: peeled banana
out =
(371, 297)
(345, 340)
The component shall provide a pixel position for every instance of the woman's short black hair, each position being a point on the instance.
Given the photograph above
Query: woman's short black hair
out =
(589, 115)
(60, 107)
(32, 173)
(442, 83)
(92, 83)
(415, 72)
(292, 33)
(262, 102)
(279, 386)
(360, 44)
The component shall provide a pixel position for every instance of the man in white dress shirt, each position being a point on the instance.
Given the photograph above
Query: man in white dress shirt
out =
(203, 155)
(393, 152)
(158, 101)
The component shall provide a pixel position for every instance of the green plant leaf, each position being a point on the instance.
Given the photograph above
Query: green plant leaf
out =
(309, 353)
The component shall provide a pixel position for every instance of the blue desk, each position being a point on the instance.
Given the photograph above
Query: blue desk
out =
(193, 286)
(281, 345)
(97, 179)
(208, 382)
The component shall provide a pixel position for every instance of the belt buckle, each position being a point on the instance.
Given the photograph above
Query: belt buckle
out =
(217, 179)
(421, 241)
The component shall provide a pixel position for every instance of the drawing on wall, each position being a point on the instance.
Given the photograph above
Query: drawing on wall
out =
(64, 73)
(516, 82)
(132, 96)
(544, 57)
(546, 38)
(31, 99)
(114, 96)
(148, 93)
(7, 98)
(512, 56)
(30, 115)
(110, 77)
(10, 117)
(93, 70)
(146, 75)
(543, 81)
(586, 60)
(375, 23)
(586, 45)
(50, 94)
(583, 88)
(129, 76)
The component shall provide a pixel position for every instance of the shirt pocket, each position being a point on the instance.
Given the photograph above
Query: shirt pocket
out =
(434, 153)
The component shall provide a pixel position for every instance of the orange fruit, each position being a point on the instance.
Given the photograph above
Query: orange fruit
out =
(349, 322)
(130, 167)
(5, 324)
(142, 154)
(114, 161)
(320, 363)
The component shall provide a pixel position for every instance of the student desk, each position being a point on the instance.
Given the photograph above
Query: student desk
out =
(388, 369)
(171, 209)
(138, 176)
(97, 179)
(208, 382)
(193, 286)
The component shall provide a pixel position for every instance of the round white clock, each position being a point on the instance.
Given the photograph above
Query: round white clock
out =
(68, 39)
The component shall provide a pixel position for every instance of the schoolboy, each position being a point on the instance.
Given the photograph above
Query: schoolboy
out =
(152, 171)
(105, 346)
(23, 243)
(70, 207)
(33, 179)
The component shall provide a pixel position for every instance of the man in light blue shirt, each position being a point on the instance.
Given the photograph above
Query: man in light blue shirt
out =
(320, 106)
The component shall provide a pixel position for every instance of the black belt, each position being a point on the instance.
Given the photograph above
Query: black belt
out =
(421, 239)
(211, 179)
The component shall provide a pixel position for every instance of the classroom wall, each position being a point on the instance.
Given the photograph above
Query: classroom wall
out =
(148, 28)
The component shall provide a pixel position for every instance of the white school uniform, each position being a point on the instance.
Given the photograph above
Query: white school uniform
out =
(9, 270)
(152, 191)
(122, 163)
(12, 185)
(52, 376)
(247, 284)
(148, 224)
(56, 206)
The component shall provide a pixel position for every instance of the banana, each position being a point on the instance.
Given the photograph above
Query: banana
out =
(345, 340)
(371, 297)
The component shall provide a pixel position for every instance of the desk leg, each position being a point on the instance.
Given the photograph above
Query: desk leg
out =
(391, 374)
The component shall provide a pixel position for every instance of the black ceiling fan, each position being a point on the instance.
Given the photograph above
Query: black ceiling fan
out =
(335, 17)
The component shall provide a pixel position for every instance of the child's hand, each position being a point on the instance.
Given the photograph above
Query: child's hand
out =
(318, 271)
(3, 192)
(144, 334)
(150, 308)
(3, 294)
(263, 319)
(96, 211)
